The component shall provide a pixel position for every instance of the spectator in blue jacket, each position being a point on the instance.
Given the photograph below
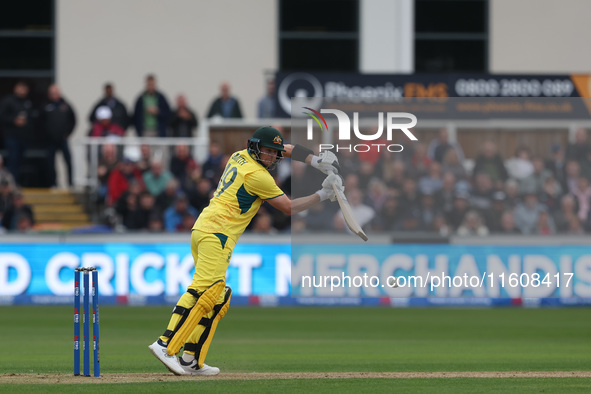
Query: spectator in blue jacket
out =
(174, 215)
(225, 106)
(152, 112)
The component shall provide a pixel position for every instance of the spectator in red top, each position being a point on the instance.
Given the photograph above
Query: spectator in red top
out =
(119, 179)
(103, 127)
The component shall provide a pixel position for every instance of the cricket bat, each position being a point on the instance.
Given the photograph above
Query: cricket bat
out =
(348, 214)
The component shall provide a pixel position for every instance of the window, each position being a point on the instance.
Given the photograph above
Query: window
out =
(451, 35)
(26, 53)
(319, 35)
(27, 15)
(27, 45)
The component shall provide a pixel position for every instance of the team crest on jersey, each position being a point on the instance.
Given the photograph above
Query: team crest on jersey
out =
(277, 140)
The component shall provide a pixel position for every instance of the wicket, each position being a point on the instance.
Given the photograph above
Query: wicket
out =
(86, 320)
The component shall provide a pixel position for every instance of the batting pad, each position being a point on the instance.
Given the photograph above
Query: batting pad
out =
(204, 305)
(180, 314)
(220, 315)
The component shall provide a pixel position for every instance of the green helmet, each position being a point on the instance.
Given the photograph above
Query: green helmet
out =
(268, 137)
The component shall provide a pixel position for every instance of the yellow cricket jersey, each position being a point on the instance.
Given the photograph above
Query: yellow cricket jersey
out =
(241, 190)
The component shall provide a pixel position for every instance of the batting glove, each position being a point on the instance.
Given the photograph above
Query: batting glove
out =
(326, 162)
(327, 185)
(326, 194)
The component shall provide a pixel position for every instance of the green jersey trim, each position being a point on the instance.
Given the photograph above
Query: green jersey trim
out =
(279, 195)
(245, 199)
(223, 239)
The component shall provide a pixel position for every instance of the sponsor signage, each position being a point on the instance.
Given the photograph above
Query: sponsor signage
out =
(441, 96)
(45, 271)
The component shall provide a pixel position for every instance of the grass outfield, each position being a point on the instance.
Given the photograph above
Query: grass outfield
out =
(282, 340)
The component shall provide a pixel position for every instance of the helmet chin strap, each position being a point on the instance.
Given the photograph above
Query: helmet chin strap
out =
(271, 165)
(255, 150)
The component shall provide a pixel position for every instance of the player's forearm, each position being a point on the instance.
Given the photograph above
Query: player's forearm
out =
(289, 150)
(303, 203)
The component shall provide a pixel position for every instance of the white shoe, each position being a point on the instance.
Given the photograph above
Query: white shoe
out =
(192, 368)
(158, 349)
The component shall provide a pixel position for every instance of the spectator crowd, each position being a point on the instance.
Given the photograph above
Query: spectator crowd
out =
(429, 187)
(143, 192)
(46, 126)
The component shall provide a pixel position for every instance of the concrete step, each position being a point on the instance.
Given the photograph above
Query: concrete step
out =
(52, 226)
(39, 190)
(61, 217)
(58, 209)
(50, 199)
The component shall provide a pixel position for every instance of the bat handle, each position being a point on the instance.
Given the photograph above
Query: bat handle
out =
(336, 191)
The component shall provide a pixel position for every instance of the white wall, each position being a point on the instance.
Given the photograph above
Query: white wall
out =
(540, 36)
(386, 36)
(191, 46)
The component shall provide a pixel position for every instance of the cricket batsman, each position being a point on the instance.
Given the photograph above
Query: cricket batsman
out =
(243, 187)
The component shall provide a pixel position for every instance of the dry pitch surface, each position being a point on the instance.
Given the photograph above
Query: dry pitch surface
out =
(155, 377)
